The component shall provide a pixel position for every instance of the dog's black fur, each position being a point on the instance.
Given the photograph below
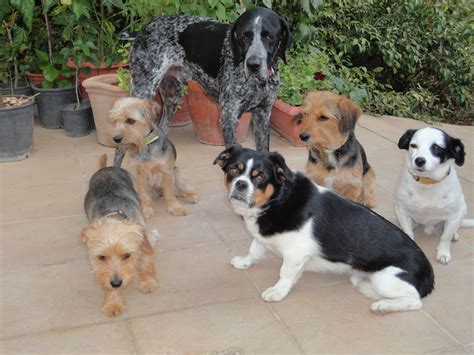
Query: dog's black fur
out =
(347, 232)
(174, 49)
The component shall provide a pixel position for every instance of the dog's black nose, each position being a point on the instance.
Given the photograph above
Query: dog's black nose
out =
(117, 139)
(254, 63)
(241, 185)
(115, 283)
(304, 136)
(420, 161)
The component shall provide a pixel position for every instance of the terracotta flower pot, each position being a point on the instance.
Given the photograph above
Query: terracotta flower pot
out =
(94, 71)
(205, 113)
(282, 120)
(103, 91)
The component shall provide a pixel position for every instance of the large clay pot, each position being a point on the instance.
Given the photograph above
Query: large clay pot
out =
(282, 120)
(205, 113)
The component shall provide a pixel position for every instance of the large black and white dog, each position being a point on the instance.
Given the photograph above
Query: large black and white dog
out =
(315, 229)
(237, 64)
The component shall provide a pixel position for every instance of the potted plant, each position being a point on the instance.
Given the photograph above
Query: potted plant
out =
(16, 134)
(205, 113)
(77, 117)
(304, 72)
(15, 29)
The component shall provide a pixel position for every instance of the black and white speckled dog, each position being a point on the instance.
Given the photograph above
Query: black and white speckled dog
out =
(237, 64)
(315, 229)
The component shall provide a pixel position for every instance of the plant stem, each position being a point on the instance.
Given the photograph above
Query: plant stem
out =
(48, 35)
(78, 101)
(15, 63)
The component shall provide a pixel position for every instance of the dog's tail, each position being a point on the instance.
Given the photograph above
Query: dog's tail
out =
(103, 161)
(467, 223)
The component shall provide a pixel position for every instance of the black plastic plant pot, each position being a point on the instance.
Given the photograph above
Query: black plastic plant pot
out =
(49, 103)
(16, 132)
(22, 88)
(77, 120)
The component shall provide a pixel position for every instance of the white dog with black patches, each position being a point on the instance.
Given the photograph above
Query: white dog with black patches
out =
(429, 192)
(314, 229)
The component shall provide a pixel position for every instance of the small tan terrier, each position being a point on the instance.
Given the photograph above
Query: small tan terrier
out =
(336, 159)
(136, 131)
(117, 237)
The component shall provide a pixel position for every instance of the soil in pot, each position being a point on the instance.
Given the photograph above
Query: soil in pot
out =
(77, 120)
(49, 103)
(16, 133)
(205, 113)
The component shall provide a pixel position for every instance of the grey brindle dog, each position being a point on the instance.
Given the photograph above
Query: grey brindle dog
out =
(237, 64)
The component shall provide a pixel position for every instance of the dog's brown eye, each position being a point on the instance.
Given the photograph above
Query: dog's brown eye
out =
(126, 256)
(130, 121)
(413, 145)
(259, 179)
(233, 172)
(323, 118)
(101, 257)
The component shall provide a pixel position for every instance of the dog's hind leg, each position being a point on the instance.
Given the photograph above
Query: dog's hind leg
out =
(170, 90)
(183, 190)
(394, 293)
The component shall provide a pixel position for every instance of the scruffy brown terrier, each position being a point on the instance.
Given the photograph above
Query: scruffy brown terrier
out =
(117, 237)
(154, 156)
(336, 158)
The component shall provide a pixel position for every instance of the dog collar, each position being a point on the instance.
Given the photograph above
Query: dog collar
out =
(428, 181)
(150, 138)
(116, 212)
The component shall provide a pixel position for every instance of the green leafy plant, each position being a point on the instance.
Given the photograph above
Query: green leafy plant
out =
(123, 76)
(16, 18)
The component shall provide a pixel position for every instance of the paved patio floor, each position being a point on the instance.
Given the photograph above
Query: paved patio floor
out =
(51, 304)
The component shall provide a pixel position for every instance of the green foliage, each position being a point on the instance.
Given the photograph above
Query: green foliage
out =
(123, 76)
(414, 58)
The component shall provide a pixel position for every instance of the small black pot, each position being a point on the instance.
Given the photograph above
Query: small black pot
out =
(77, 121)
(49, 103)
(16, 132)
(23, 88)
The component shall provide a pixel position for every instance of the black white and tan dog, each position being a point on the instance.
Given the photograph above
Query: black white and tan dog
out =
(237, 64)
(315, 229)
(118, 239)
(429, 192)
(336, 158)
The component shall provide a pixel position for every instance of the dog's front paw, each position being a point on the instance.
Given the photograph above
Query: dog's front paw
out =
(191, 197)
(444, 257)
(240, 262)
(177, 210)
(113, 308)
(148, 285)
(273, 294)
(455, 237)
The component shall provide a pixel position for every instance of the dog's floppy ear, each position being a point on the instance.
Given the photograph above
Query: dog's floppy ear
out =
(237, 51)
(283, 172)
(285, 40)
(224, 156)
(146, 246)
(350, 113)
(456, 150)
(153, 110)
(404, 141)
